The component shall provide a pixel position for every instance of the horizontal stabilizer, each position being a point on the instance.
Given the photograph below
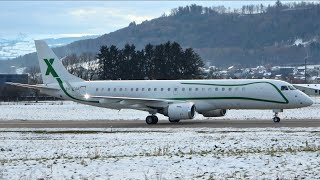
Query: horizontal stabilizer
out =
(38, 86)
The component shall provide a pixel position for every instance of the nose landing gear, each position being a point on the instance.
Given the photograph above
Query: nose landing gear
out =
(276, 118)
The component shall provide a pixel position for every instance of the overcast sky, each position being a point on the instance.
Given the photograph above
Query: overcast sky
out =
(56, 18)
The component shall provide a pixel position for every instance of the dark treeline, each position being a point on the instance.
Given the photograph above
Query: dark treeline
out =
(163, 61)
(245, 9)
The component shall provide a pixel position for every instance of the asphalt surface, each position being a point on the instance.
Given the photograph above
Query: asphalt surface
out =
(161, 124)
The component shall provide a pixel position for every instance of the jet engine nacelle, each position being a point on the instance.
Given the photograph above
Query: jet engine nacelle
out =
(215, 113)
(179, 111)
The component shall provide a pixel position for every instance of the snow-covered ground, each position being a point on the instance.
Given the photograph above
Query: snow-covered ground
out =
(272, 153)
(66, 110)
(193, 153)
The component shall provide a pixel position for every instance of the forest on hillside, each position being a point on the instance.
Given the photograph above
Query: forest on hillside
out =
(279, 34)
(163, 61)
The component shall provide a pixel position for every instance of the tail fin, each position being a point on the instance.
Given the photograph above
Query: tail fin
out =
(50, 65)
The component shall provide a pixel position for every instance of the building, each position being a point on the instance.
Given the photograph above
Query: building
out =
(12, 91)
(16, 78)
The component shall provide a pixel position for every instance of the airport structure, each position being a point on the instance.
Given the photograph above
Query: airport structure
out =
(16, 78)
(11, 91)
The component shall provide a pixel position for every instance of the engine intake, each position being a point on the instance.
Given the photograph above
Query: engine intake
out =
(215, 113)
(179, 111)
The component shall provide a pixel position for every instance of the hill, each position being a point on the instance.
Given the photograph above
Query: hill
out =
(279, 34)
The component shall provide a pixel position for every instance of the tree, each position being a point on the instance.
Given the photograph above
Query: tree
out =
(163, 61)
(104, 62)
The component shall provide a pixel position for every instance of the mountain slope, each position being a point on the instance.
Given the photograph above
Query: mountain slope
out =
(252, 36)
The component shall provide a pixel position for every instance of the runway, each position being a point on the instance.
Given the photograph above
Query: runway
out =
(161, 124)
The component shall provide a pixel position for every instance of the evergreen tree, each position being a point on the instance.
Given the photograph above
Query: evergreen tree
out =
(149, 66)
(163, 61)
(104, 63)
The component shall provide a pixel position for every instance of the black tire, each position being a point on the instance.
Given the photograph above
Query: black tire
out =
(276, 119)
(149, 120)
(174, 121)
(155, 119)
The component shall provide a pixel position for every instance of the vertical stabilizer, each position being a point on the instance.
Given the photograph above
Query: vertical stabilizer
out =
(51, 66)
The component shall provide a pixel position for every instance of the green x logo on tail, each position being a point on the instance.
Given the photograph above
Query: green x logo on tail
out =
(50, 68)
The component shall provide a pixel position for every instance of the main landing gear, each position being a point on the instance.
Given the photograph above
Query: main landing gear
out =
(152, 119)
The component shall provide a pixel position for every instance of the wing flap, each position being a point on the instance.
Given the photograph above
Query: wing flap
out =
(129, 101)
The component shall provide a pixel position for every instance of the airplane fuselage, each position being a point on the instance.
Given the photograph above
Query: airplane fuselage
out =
(205, 94)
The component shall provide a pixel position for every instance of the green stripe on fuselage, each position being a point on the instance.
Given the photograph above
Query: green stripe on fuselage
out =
(60, 82)
(243, 98)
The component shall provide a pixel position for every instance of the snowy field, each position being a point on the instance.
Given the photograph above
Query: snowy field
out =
(67, 110)
(273, 153)
(157, 153)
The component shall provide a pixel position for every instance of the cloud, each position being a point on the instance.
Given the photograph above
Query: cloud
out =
(89, 17)
(107, 14)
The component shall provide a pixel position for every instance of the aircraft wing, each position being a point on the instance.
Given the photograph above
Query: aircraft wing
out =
(38, 86)
(129, 101)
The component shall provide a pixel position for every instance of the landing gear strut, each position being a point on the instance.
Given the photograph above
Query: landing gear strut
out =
(152, 119)
(276, 118)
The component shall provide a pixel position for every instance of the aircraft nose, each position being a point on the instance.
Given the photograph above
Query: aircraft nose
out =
(307, 101)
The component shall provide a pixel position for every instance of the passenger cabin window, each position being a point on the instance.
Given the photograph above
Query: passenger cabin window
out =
(217, 89)
(223, 89)
(175, 89)
(183, 89)
(168, 89)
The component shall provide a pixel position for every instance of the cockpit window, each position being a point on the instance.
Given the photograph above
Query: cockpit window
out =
(285, 88)
(292, 88)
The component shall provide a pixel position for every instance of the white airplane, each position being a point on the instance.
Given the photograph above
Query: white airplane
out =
(176, 99)
(309, 89)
